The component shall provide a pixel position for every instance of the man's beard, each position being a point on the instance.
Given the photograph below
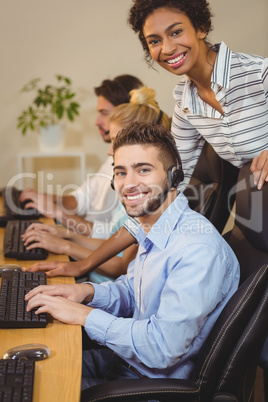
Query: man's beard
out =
(151, 205)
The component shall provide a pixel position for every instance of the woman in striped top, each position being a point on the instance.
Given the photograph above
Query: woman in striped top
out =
(223, 97)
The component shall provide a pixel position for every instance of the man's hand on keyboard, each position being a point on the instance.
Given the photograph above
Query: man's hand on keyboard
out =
(77, 293)
(41, 201)
(63, 302)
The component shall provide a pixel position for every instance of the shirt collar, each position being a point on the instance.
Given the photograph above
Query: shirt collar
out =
(221, 71)
(162, 229)
(220, 77)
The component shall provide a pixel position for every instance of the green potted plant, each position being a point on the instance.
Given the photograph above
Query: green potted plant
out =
(51, 104)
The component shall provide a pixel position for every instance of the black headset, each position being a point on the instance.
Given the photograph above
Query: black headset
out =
(175, 174)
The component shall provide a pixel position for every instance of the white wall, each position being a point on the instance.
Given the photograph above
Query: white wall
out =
(89, 41)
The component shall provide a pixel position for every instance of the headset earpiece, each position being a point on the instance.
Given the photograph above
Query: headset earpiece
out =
(112, 182)
(175, 173)
(175, 176)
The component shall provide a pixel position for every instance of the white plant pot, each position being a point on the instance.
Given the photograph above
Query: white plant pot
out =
(51, 138)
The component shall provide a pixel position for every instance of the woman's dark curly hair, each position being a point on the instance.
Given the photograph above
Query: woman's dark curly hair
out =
(198, 11)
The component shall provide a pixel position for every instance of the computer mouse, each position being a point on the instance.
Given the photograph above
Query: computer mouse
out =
(10, 267)
(31, 351)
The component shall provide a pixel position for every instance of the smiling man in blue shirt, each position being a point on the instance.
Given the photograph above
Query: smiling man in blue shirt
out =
(154, 319)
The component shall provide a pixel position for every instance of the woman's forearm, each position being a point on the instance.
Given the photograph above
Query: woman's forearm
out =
(118, 242)
(117, 266)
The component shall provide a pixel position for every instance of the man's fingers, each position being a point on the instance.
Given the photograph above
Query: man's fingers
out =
(35, 291)
(41, 300)
(29, 205)
(50, 290)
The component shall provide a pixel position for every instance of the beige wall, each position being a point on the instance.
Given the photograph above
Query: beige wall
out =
(89, 40)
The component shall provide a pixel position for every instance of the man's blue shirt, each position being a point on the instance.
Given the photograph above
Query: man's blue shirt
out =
(157, 316)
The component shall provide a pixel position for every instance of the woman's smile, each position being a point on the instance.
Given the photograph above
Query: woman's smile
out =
(177, 60)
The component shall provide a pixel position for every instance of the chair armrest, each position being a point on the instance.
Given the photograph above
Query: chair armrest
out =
(166, 389)
(224, 398)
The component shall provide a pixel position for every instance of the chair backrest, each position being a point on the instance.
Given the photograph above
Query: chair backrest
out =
(228, 359)
(208, 190)
(249, 236)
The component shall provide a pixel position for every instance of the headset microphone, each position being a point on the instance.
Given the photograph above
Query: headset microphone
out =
(159, 200)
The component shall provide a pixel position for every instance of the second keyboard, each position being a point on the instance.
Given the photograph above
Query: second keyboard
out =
(14, 246)
(16, 380)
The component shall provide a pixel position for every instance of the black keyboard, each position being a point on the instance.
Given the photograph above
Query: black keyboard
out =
(16, 380)
(13, 312)
(14, 246)
(13, 208)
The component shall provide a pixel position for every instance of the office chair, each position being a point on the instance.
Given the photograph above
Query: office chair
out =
(226, 365)
(263, 363)
(209, 187)
(249, 236)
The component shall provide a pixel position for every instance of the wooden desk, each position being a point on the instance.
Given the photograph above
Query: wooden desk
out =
(58, 378)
